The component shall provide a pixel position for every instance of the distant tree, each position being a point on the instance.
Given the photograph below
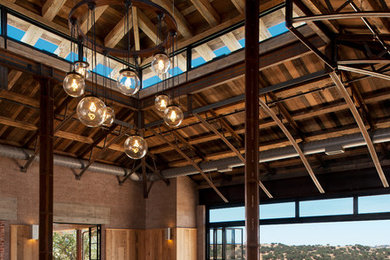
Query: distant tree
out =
(64, 246)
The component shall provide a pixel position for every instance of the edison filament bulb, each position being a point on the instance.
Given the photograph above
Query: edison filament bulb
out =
(128, 82)
(91, 111)
(109, 115)
(160, 63)
(81, 67)
(173, 116)
(74, 84)
(135, 147)
(161, 102)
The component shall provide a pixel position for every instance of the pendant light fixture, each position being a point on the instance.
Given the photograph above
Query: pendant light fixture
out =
(135, 147)
(91, 111)
(161, 102)
(128, 82)
(173, 116)
(160, 63)
(74, 84)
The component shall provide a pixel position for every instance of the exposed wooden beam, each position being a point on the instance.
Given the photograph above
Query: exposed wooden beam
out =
(231, 146)
(293, 142)
(240, 5)
(182, 24)
(134, 16)
(207, 11)
(117, 33)
(344, 93)
(231, 41)
(51, 8)
(194, 164)
(13, 77)
(84, 26)
(223, 121)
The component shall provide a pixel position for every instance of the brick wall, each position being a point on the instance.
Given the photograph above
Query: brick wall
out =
(2, 240)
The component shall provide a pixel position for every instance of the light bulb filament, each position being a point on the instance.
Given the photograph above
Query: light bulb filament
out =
(160, 64)
(92, 107)
(91, 116)
(173, 116)
(74, 85)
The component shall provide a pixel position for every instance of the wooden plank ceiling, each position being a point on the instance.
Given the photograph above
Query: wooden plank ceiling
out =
(310, 112)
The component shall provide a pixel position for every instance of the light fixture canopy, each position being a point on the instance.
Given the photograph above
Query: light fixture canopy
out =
(173, 116)
(135, 147)
(160, 63)
(91, 111)
(82, 67)
(128, 82)
(109, 115)
(161, 102)
(74, 84)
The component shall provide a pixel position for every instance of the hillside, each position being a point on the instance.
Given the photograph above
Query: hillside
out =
(319, 252)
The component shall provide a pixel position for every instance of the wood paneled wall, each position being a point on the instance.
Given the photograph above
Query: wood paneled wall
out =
(22, 247)
(125, 244)
(186, 244)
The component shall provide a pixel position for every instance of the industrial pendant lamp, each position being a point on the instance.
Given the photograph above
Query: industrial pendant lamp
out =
(135, 147)
(91, 111)
(74, 84)
(161, 102)
(173, 116)
(160, 63)
(128, 82)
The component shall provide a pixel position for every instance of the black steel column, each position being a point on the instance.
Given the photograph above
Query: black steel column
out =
(46, 170)
(252, 128)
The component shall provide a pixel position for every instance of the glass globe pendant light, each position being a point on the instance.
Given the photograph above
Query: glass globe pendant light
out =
(128, 82)
(91, 111)
(74, 84)
(81, 67)
(173, 116)
(109, 116)
(160, 63)
(161, 102)
(135, 147)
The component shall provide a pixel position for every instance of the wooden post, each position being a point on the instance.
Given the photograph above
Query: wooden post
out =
(79, 242)
(46, 170)
(252, 128)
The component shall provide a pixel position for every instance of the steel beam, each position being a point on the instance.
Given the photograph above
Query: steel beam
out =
(252, 129)
(337, 16)
(296, 146)
(367, 138)
(364, 72)
(46, 135)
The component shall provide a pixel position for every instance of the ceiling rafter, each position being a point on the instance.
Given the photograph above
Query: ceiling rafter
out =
(293, 142)
(231, 146)
(371, 148)
(194, 164)
(207, 11)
